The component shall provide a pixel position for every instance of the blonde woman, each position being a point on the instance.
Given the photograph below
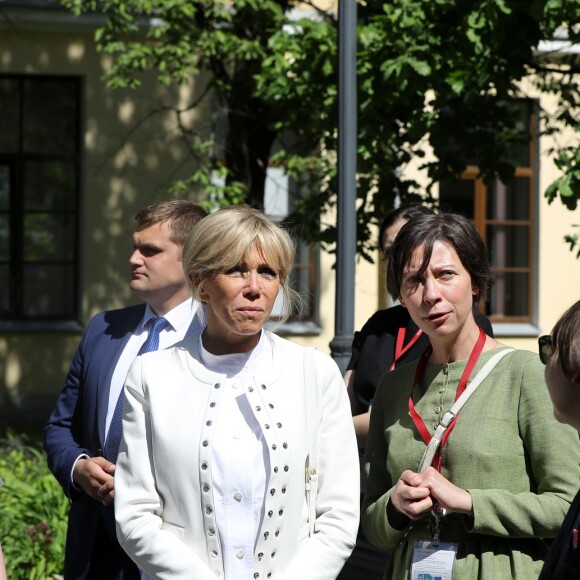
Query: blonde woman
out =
(210, 479)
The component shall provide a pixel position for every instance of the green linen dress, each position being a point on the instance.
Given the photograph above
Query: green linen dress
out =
(521, 467)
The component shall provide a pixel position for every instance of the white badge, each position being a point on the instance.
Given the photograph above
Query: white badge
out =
(433, 562)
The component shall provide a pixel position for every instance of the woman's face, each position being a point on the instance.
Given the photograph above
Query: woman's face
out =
(565, 394)
(239, 302)
(439, 300)
(389, 236)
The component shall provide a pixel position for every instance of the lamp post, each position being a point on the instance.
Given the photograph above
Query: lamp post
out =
(340, 346)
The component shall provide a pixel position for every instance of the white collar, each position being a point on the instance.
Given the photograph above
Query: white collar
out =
(233, 364)
(177, 317)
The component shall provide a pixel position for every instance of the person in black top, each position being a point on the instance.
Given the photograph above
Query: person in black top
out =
(388, 339)
(560, 352)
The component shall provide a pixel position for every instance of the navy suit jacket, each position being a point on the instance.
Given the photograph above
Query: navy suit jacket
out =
(77, 424)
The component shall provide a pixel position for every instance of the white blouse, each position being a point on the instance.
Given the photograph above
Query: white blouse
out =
(240, 459)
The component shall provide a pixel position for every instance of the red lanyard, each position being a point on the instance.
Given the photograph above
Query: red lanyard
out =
(419, 423)
(399, 349)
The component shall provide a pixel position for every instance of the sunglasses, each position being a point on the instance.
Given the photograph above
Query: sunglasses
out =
(546, 348)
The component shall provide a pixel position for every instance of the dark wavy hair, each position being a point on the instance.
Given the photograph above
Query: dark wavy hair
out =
(449, 228)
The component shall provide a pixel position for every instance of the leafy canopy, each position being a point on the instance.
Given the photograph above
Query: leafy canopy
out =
(433, 75)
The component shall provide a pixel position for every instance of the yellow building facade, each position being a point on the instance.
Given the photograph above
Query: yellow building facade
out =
(54, 281)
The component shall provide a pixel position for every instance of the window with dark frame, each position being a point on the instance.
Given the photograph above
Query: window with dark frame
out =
(303, 280)
(39, 197)
(504, 215)
(278, 204)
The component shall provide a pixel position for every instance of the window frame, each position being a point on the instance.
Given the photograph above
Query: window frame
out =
(308, 323)
(514, 325)
(15, 318)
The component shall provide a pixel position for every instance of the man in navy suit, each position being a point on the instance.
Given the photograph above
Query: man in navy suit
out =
(76, 433)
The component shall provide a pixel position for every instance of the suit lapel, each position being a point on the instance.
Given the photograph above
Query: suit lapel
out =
(119, 327)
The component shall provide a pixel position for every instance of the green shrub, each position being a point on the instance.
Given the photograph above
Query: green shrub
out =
(34, 512)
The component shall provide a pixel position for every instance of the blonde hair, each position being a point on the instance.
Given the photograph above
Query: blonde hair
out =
(225, 238)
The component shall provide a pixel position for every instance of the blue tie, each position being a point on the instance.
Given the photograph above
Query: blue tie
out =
(157, 323)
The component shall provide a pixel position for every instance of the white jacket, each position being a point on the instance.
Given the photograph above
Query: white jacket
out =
(163, 483)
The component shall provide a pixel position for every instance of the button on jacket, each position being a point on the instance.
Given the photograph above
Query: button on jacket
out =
(163, 484)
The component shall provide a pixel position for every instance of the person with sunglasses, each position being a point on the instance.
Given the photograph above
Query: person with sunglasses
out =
(468, 474)
(560, 352)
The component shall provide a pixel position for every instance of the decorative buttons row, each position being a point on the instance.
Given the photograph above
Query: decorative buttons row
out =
(211, 532)
(283, 489)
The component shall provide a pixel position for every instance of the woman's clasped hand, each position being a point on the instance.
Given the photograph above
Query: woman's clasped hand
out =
(415, 494)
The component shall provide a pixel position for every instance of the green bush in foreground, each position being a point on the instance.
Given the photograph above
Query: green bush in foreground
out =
(34, 512)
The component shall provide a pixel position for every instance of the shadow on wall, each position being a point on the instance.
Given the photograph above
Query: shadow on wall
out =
(32, 371)
(131, 151)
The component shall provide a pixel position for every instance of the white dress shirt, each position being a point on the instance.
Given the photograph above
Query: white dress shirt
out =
(179, 319)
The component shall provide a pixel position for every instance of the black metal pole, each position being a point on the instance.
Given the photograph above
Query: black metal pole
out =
(340, 346)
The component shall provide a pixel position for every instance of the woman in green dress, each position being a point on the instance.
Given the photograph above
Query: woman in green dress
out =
(505, 471)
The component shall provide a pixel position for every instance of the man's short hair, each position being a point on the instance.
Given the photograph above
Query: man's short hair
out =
(181, 214)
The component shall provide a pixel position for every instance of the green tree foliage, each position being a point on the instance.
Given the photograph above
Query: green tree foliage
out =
(433, 75)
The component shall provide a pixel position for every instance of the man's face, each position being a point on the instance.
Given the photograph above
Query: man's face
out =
(156, 272)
